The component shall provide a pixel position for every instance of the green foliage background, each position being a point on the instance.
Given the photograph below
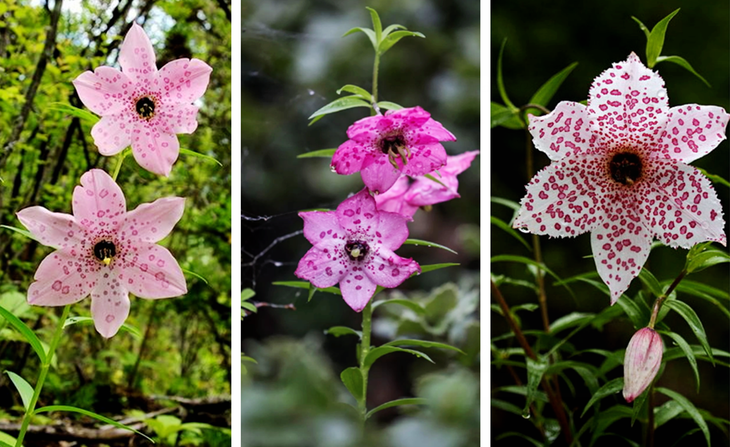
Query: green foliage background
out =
(184, 348)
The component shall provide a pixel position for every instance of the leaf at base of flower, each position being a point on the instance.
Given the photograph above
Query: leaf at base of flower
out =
(23, 387)
(322, 153)
(397, 403)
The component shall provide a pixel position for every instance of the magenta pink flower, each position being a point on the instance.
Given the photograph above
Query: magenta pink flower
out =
(142, 106)
(383, 147)
(405, 198)
(105, 251)
(619, 170)
(642, 361)
(353, 246)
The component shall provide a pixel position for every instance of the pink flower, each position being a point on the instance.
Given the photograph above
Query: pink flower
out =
(642, 362)
(105, 251)
(383, 147)
(405, 198)
(353, 246)
(619, 170)
(142, 106)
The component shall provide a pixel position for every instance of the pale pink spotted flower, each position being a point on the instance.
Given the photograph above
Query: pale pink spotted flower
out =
(105, 251)
(142, 106)
(383, 147)
(353, 246)
(641, 362)
(619, 170)
(406, 196)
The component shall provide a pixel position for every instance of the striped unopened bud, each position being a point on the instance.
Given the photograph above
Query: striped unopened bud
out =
(642, 361)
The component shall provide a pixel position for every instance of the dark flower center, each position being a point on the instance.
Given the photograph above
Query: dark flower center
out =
(105, 251)
(394, 146)
(145, 107)
(625, 168)
(357, 250)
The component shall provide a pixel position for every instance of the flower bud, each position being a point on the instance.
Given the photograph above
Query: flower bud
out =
(642, 361)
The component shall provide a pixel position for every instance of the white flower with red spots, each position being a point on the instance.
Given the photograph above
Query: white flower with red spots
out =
(105, 251)
(619, 170)
(142, 106)
(641, 362)
(353, 246)
(405, 197)
(383, 147)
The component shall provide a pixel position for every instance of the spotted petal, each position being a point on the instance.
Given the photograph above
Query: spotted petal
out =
(425, 158)
(137, 57)
(112, 133)
(185, 80)
(55, 230)
(151, 222)
(620, 246)
(178, 118)
(379, 175)
(152, 272)
(692, 131)
(154, 149)
(349, 157)
(358, 214)
(321, 227)
(109, 305)
(98, 201)
(391, 230)
(357, 289)
(388, 269)
(103, 91)
(564, 131)
(322, 269)
(61, 279)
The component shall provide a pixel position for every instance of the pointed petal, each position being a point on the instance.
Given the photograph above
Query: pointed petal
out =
(181, 118)
(104, 91)
(368, 130)
(620, 247)
(681, 206)
(185, 80)
(137, 57)
(432, 131)
(55, 230)
(357, 289)
(349, 157)
(322, 269)
(112, 133)
(425, 191)
(564, 198)
(393, 200)
(321, 227)
(391, 230)
(387, 269)
(152, 272)
(564, 131)
(61, 279)
(379, 175)
(151, 222)
(358, 214)
(693, 131)
(424, 159)
(98, 201)
(155, 150)
(628, 103)
(408, 119)
(109, 305)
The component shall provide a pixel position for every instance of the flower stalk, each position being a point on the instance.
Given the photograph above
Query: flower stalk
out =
(367, 314)
(45, 365)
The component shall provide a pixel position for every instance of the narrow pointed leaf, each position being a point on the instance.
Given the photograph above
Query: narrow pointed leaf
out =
(380, 351)
(412, 305)
(707, 258)
(348, 102)
(502, 116)
(428, 244)
(393, 38)
(359, 91)
(207, 158)
(690, 409)
(642, 27)
(29, 335)
(610, 388)
(81, 114)
(368, 32)
(387, 105)
(690, 316)
(88, 320)
(535, 370)
(25, 233)
(338, 331)
(322, 153)
(397, 403)
(655, 42)
(546, 92)
(352, 378)
(499, 223)
(714, 177)
(377, 25)
(684, 64)
(90, 414)
(389, 29)
(500, 79)
(23, 387)
(247, 294)
(650, 281)
(306, 285)
(687, 349)
(423, 344)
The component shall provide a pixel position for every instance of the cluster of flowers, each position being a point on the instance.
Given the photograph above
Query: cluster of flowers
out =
(619, 170)
(102, 250)
(404, 166)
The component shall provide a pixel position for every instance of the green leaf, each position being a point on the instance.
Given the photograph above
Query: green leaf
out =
(428, 244)
(571, 320)
(500, 80)
(88, 320)
(704, 292)
(650, 281)
(689, 408)
(609, 388)
(706, 258)
(25, 233)
(26, 332)
(499, 223)
(434, 179)
(368, 32)
(412, 305)
(249, 307)
(546, 92)
(508, 434)
(632, 310)
(81, 114)
(524, 260)
(199, 155)
(684, 64)
(397, 403)
(322, 153)
(687, 349)
(642, 27)
(348, 102)
(247, 294)
(714, 178)
(392, 39)
(655, 41)
(694, 322)
(432, 267)
(387, 105)
(666, 412)
(23, 387)
(338, 331)
(508, 407)
(306, 285)
(359, 91)
(535, 370)
(90, 414)
(377, 25)
(380, 351)
(352, 378)
(502, 116)
(423, 344)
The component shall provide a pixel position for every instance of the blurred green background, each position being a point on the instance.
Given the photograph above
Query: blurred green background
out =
(183, 347)
(542, 39)
(294, 60)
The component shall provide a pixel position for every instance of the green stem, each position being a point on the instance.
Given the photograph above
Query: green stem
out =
(120, 161)
(42, 376)
(376, 67)
(660, 300)
(367, 314)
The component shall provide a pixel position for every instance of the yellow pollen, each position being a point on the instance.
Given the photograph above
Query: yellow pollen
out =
(107, 260)
(355, 252)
